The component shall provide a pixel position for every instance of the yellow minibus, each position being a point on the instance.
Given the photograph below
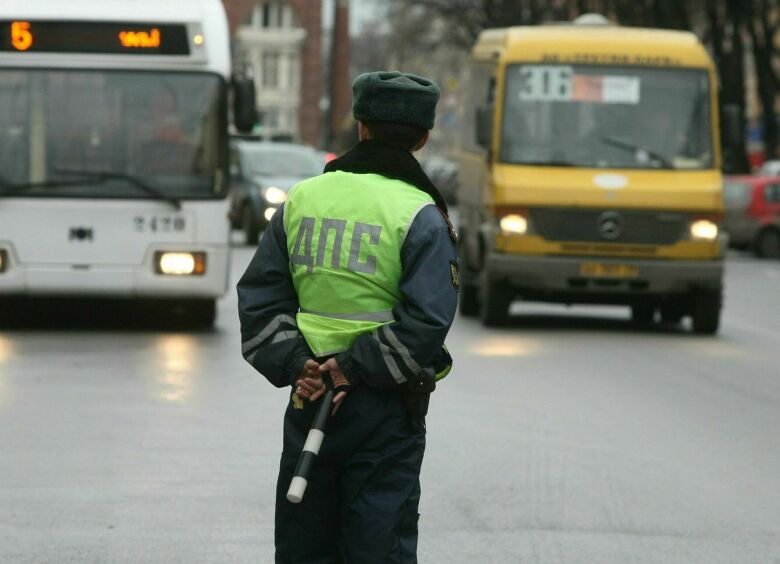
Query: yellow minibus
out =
(590, 173)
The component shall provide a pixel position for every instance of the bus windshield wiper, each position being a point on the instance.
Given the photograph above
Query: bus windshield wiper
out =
(101, 177)
(10, 189)
(636, 149)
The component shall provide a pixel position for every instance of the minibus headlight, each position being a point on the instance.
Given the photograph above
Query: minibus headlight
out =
(3, 260)
(180, 264)
(513, 224)
(269, 213)
(274, 195)
(704, 230)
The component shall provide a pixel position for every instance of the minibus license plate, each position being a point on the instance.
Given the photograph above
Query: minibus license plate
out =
(607, 270)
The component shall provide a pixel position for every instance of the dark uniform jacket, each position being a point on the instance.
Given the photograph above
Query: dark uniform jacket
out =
(429, 284)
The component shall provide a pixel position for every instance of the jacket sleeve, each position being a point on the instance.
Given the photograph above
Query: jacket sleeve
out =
(267, 304)
(400, 352)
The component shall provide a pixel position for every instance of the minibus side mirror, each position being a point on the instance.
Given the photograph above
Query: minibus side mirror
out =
(732, 124)
(484, 126)
(244, 104)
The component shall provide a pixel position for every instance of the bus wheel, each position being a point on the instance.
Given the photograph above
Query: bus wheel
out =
(768, 243)
(642, 314)
(494, 305)
(202, 313)
(250, 225)
(706, 312)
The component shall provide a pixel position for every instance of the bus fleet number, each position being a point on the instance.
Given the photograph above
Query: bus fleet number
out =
(159, 223)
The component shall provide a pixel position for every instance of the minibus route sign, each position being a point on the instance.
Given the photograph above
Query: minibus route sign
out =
(114, 38)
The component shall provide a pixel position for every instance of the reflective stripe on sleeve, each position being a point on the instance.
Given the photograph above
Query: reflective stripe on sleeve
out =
(278, 338)
(387, 355)
(411, 364)
(269, 330)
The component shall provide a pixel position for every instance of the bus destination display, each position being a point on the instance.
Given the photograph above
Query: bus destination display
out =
(111, 38)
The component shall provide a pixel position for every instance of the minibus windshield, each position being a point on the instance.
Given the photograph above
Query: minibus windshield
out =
(607, 117)
(126, 134)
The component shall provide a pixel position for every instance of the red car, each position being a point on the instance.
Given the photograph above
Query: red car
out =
(752, 220)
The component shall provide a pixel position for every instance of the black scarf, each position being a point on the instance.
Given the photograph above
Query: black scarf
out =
(374, 157)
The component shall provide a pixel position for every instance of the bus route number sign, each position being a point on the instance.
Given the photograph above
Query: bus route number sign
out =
(560, 83)
(115, 38)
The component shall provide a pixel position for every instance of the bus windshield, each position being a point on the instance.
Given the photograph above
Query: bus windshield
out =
(607, 117)
(127, 129)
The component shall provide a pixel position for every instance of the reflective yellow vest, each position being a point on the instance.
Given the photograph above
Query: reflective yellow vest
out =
(344, 237)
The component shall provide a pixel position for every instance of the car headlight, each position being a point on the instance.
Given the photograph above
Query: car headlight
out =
(513, 224)
(704, 230)
(269, 213)
(3, 260)
(274, 195)
(180, 264)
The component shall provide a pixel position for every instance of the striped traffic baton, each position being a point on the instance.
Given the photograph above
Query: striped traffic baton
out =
(310, 449)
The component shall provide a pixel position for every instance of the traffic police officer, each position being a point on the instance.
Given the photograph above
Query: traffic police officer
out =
(354, 285)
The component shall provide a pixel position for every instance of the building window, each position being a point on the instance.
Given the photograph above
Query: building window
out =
(272, 14)
(270, 66)
(271, 117)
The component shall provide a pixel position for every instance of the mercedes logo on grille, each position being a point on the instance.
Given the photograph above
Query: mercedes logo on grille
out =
(610, 225)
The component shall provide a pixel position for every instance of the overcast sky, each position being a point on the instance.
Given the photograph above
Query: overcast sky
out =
(360, 11)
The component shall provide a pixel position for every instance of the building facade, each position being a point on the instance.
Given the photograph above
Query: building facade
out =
(280, 41)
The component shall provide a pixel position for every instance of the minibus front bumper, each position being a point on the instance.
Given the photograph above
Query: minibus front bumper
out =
(613, 280)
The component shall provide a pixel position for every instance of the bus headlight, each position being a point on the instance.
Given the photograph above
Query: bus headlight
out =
(274, 195)
(3, 260)
(704, 230)
(513, 224)
(180, 264)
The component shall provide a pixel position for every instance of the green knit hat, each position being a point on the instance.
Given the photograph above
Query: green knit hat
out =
(395, 97)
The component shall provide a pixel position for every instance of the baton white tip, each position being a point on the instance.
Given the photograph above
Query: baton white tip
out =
(297, 487)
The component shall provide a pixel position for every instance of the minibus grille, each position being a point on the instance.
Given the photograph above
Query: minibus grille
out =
(608, 226)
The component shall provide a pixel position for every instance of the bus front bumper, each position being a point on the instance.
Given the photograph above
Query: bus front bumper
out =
(19, 279)
(614, 279)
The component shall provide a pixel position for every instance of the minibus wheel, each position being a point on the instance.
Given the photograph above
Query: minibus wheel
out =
(494, 305)
(468, 304)
(706, 312)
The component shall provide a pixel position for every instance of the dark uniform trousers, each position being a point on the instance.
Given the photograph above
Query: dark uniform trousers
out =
(363, 495)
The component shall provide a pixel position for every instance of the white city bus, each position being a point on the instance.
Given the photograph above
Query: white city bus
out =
(114, 150)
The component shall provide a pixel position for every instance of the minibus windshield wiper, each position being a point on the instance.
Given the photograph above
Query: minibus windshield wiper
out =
(100, 177)
(546, 163)
(620, 144)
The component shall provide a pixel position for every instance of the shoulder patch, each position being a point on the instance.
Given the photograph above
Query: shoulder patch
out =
(455, 273)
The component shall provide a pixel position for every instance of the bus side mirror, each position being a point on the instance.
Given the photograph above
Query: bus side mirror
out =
(484, 126)
(732, 124)
(244, 104)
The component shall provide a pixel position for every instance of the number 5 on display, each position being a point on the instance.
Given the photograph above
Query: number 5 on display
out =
(21, 36)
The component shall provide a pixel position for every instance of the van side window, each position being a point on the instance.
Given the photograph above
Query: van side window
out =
(772, 193)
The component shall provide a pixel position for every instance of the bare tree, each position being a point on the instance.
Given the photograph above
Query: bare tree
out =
(729, 28)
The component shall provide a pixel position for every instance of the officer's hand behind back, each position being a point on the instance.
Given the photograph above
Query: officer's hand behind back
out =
(340, 382)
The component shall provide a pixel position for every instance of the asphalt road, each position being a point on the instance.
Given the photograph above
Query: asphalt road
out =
(568, 437)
